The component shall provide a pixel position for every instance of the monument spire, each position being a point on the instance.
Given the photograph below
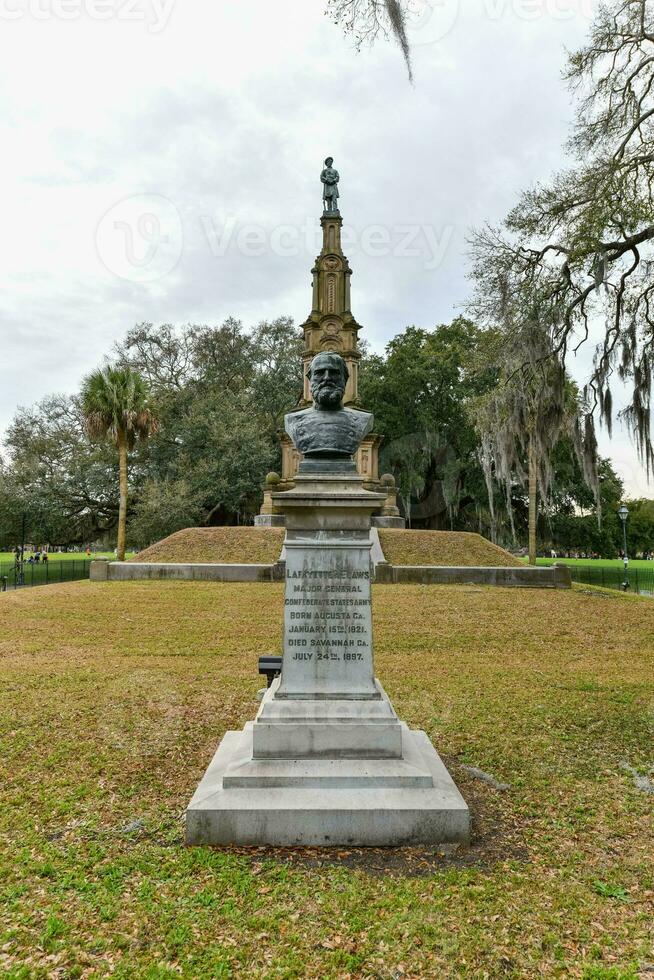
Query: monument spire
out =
(331, 326)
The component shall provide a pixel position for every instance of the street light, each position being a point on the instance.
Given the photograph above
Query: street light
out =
(623, 514)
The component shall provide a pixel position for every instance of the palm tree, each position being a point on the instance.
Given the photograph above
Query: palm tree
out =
(115, 403)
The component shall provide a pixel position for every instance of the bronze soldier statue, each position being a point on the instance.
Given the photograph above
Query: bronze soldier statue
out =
(330, 178)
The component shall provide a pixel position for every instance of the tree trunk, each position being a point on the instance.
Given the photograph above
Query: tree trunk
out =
(533, 501)
(122, 508)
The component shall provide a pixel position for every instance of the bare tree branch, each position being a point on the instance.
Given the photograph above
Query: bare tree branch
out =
(585, 240)
(366, 20)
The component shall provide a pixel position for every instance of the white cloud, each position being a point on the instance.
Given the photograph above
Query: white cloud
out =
(226, 111)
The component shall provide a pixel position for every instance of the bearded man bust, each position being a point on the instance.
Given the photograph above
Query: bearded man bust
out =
(327, 434)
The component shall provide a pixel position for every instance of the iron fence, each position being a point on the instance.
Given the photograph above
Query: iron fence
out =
(18, 575)
(641, 580)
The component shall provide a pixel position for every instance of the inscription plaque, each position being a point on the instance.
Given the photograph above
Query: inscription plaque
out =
(328, 621)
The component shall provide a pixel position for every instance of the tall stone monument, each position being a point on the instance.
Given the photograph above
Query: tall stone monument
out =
(326, 760)
(331, 326)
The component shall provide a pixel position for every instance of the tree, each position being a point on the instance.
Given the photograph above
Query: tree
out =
(221, 396)
(162, 355)
(571, 525)
(417, 393)
(585, 241)
(365, 20)
(640, 529)
(66, 487)
(522, 419)
(161, 508)
(116, 406)
(277, 384)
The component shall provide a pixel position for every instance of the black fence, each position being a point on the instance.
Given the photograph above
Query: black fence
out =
(641, 580)
(17, 575)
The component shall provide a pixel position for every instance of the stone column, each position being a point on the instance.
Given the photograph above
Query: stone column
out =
(327, 761)
(267, 517)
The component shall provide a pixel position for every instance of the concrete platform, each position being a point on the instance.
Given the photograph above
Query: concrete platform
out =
(246, 771)
(125, 571)
(373, 803)
(506, 577)
(539, 577)
(326, 729)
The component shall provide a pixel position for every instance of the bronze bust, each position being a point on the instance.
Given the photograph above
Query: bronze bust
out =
(327, 434)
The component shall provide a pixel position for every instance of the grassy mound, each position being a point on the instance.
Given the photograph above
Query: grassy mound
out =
(252, 545)
(456, 548)
(241, 545)
(114, 696)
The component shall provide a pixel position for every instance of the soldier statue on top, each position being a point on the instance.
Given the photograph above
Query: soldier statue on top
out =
(330, 178)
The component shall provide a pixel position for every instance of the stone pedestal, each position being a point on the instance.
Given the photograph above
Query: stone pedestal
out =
(269, 520)
(331, 327)
(327, 761)
(396, 523)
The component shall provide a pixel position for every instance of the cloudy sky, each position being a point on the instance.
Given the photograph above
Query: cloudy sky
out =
(161, 163)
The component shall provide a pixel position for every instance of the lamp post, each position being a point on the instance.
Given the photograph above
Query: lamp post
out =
(623, 514)
(21, 567)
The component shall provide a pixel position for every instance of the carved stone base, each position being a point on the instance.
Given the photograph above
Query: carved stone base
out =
(269, 520)
(325, 797)
(392, 522)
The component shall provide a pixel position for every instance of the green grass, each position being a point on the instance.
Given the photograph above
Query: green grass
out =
(114, 696)
(8, 556)
(597, 562)
(45, 573)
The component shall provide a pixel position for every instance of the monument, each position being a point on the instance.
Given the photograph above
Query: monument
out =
(330, 178)
(328, 431)
(331, 327)
(326, 760)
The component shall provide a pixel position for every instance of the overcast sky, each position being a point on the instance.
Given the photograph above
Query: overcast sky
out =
(161, 162)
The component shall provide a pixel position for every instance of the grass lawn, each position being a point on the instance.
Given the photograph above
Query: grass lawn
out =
(597, 562)
(8, 556)
(114, 696)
